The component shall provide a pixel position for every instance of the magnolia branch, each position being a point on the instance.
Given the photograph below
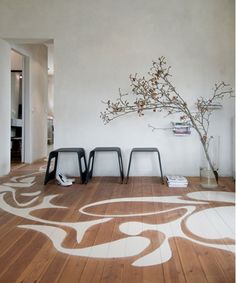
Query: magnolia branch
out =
(156, 93)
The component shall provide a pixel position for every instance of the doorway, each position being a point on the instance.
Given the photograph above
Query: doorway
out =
(29, 139)
(17, 108)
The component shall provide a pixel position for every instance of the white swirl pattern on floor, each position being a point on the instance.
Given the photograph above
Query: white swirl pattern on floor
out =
(209, 224)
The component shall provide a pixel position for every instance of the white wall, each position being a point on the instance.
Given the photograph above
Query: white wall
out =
(50, 95)
(16, 61)
(15, 94)
(39, 91)
(97, 44)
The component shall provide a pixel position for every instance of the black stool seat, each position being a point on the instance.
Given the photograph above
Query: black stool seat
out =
(104, 149)
(107, 149)
(70, 149)
(54, 154)
(145, 149)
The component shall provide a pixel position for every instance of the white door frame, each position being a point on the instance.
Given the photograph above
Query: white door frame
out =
(26, 113)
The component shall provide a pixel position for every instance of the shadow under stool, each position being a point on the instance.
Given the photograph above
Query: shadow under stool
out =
(104, 149)
(144, 149)
(50, 175)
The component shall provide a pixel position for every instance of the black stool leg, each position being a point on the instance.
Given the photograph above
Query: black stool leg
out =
(159, 157)
(83, 174)
(51, 175)
(120, 166)
(86, 168)
(90, 164)
(130, 158)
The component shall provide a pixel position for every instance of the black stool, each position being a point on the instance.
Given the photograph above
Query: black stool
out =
(54, 154)
(145, 149)
(104, 149)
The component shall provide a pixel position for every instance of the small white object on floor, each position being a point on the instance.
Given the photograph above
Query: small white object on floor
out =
(174, 181)
(63, 181)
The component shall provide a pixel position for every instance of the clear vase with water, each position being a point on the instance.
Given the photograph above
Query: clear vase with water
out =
(209, 167)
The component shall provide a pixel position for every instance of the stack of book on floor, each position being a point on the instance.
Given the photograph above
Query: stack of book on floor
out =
(174, 181)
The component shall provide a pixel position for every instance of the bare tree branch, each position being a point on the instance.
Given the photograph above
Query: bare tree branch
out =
(157, 93)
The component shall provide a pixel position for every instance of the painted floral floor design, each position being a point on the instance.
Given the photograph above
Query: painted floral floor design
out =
(212, 227)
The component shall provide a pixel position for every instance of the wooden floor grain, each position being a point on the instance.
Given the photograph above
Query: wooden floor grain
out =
(28, 255)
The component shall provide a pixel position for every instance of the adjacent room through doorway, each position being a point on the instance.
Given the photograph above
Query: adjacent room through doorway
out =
(17, 117)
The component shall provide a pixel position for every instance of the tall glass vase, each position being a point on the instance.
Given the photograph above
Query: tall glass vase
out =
(210, 163)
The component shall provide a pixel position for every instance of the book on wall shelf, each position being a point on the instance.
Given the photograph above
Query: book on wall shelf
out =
(181, 128)
(174, 181)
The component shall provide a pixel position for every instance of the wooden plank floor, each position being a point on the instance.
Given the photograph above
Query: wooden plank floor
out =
(105, 231)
